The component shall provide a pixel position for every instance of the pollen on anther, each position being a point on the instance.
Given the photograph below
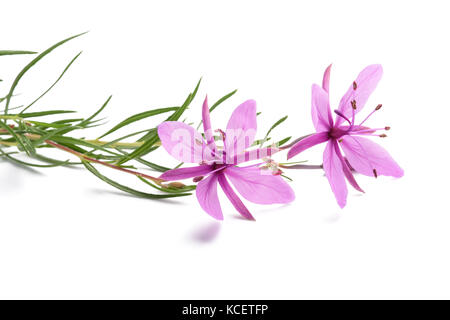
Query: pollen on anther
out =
(354, 85)
(383, 135)
(353, 104)
(378, 107)
(340, 140)
(375, 174)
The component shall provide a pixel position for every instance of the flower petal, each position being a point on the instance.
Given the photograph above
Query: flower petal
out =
(183, 142)
(207, 123)
(365, 156)
(233, 197)
(252, 155)
(260, 186)
(365, 84)
(307, 143)
(320, 109)
(241, 128)
(334, 173)
(326, 79)
(207, 196)
(347, 170)
(186, 173)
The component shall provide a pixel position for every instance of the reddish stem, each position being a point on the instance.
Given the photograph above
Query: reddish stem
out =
(80, 155)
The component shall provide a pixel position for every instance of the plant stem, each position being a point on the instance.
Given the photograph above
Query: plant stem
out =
(302, 166)
(86, 158)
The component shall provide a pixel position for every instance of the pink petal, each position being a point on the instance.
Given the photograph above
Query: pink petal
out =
(307, 143)
(260, 186)
(326, 79)
(241, 128)
(207, 123)
(366, 82)
(186, 173)
(347, 170)
(207, 196)
(252, 155)
(365, 156)
(335, 175)
(233, 197)
(183, 142)
(320, 109)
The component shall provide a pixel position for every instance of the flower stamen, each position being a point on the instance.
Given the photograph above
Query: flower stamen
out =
(378, 107)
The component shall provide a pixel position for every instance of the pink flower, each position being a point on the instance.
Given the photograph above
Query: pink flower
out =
(218, 164)
(362, 155)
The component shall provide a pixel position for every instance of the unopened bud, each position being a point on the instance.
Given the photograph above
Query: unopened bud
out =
(176, 184)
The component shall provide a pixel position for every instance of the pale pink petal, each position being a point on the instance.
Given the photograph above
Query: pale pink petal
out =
(207, 196)
(207, 123)
(326, 79)
(183, 142)
(347, 169)
(260, 186)
(365, 84)
(320, 109)
(233, 197)
(307, 143)
(186, 173)
(241, 128)
(252, 155)
(334, 173)
(365, 156)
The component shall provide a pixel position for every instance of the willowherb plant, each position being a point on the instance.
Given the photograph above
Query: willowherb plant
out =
(219, 154)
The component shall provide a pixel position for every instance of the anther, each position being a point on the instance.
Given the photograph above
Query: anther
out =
(353, 104)
(277, 172)
(378, 107)
(198, 179)
(387, 128)
(383, 135)
(354, 85)
(375, 174)
(340, 140)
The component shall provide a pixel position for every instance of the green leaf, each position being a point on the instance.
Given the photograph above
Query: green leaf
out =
(24, 163)
(121, 187)
(47, 125)
(15, 52)
(54, 83)
(152, 137)
(30, 65)
(276, 124)
(96, 113)
(217, 103)
(138, 117)
(42, 113)
(283, 141)
(16, 137)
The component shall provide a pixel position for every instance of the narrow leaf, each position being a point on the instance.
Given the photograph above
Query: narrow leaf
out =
(119, 186)
(30, 65)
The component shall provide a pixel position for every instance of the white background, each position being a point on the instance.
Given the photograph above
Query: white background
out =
(66, 234)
